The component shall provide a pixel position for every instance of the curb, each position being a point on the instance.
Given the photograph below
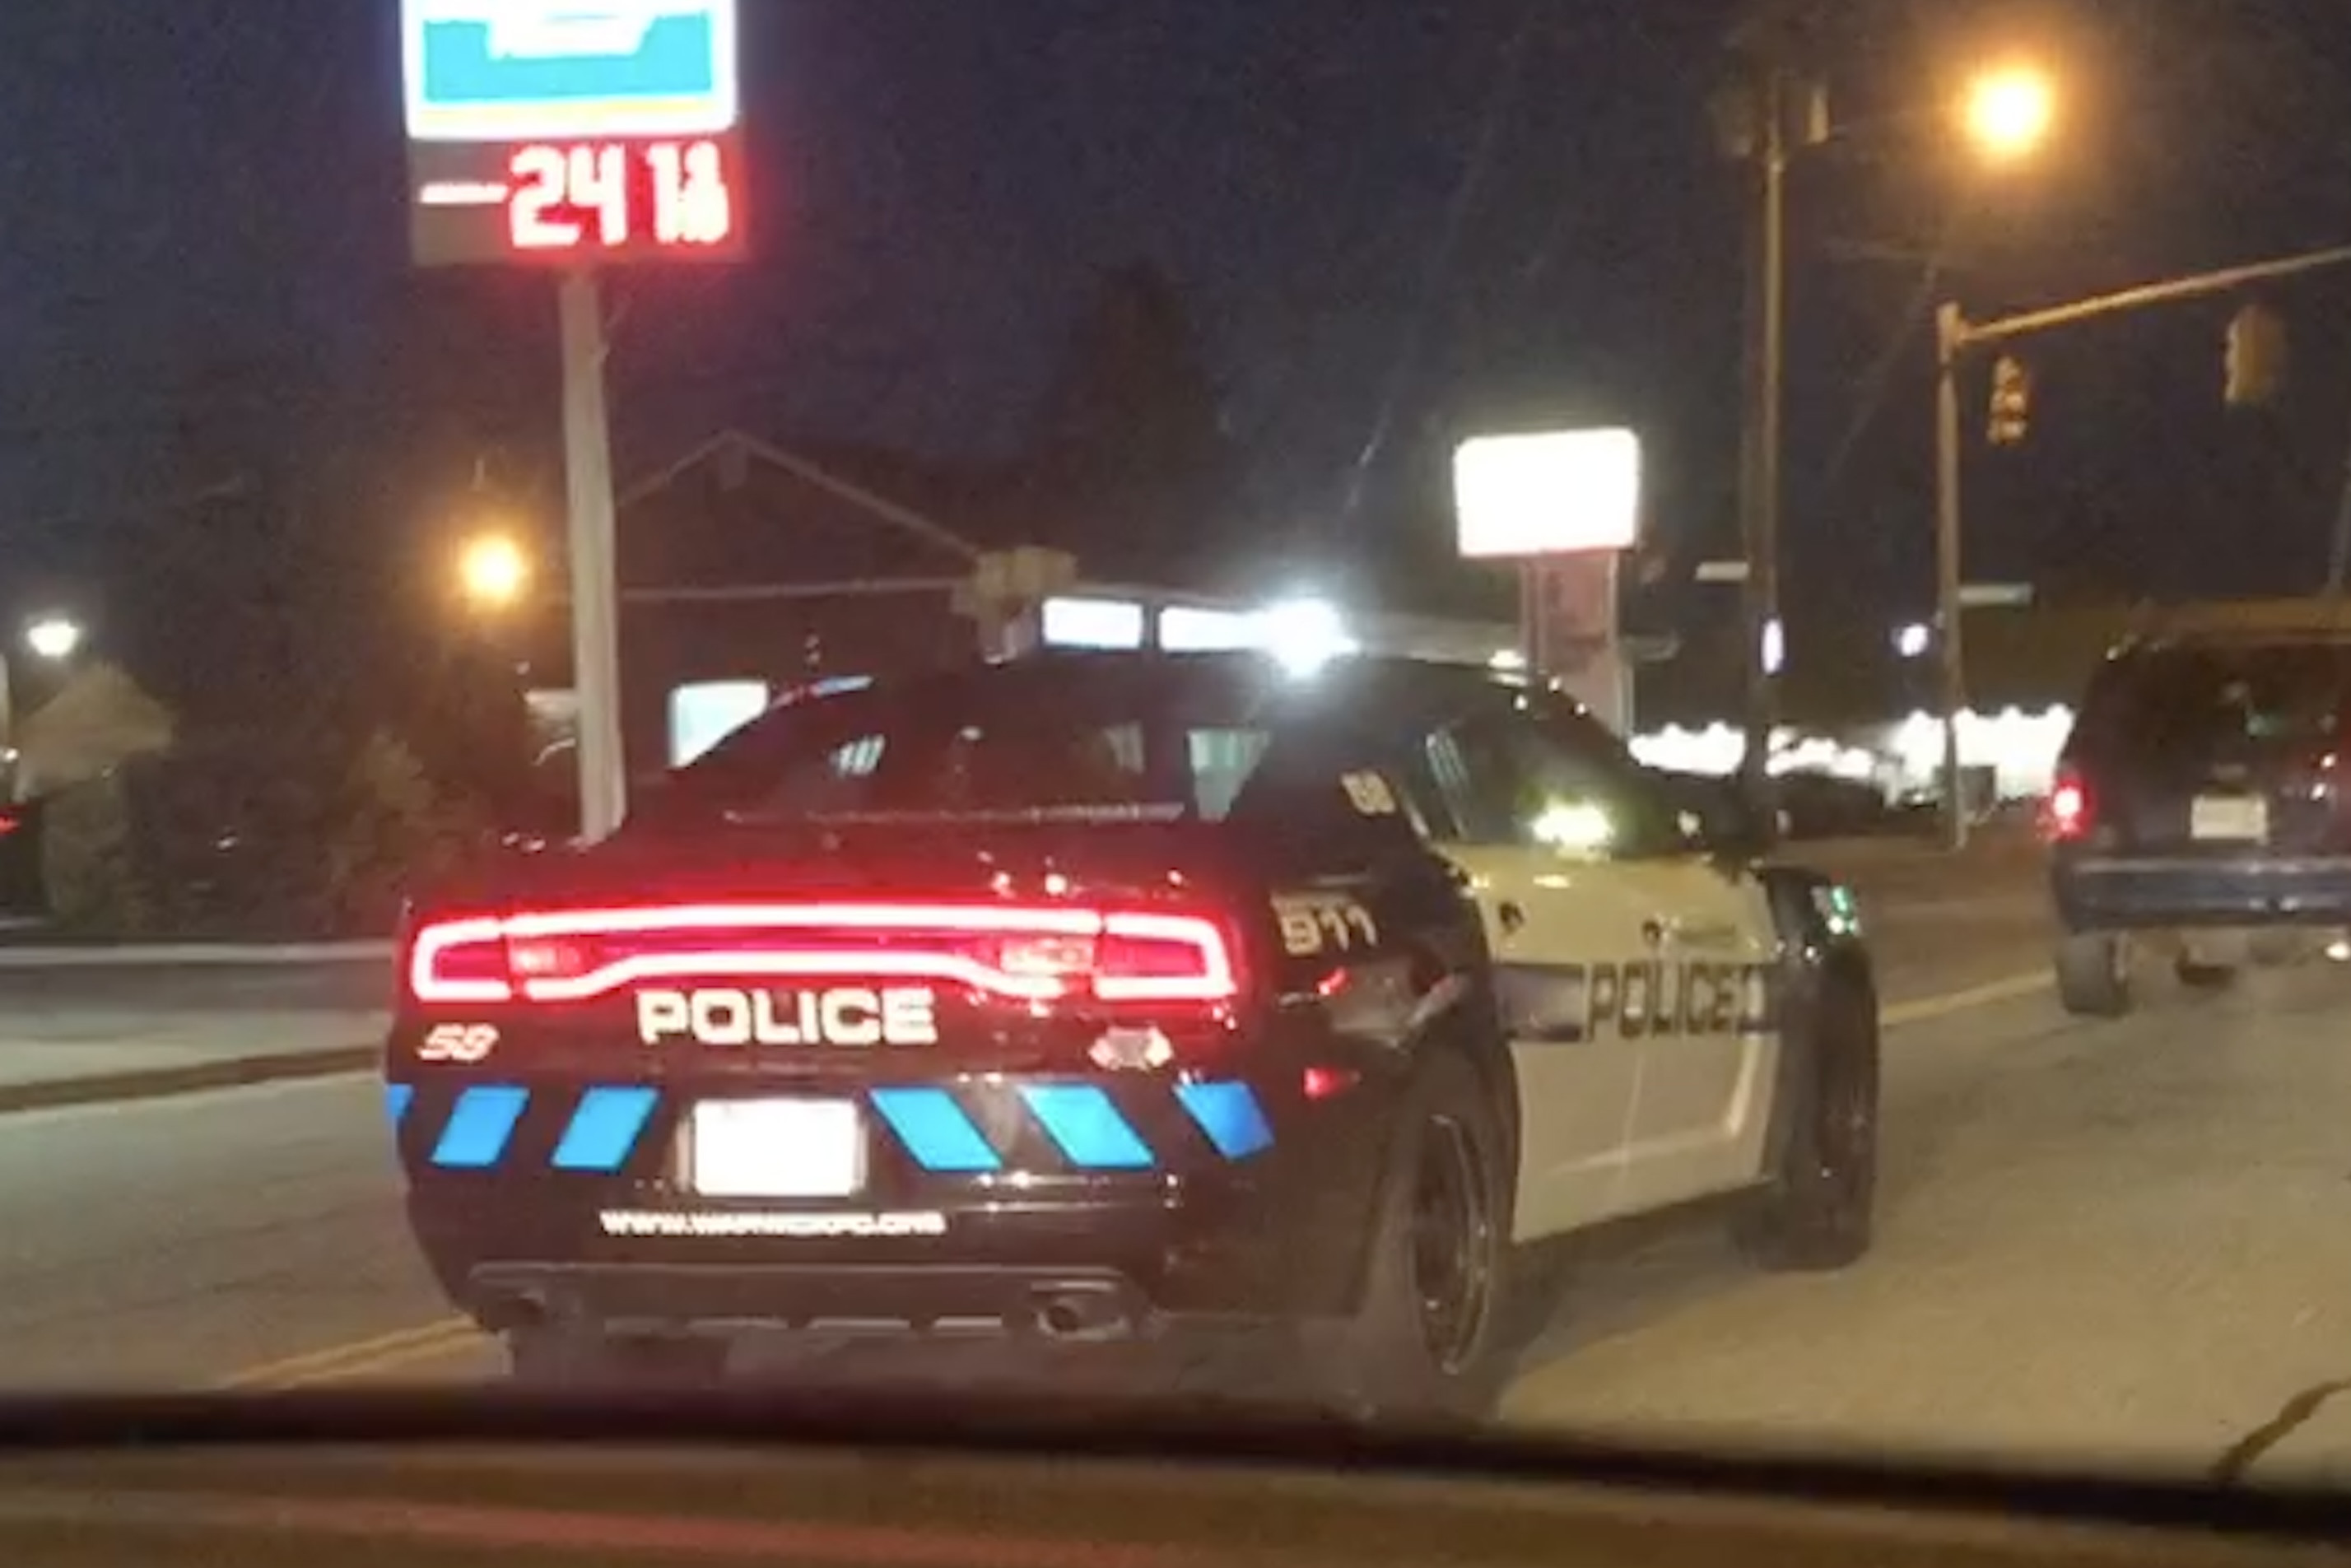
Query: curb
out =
(160, 1082)
(194, 955)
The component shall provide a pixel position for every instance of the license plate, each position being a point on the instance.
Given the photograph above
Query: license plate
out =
(776, 1148)
(2237, 818)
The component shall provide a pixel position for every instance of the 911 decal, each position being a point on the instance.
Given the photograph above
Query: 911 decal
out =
(1313, 924)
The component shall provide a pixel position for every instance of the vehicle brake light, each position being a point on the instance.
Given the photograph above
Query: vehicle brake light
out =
(2069, 808)
(1040, 954)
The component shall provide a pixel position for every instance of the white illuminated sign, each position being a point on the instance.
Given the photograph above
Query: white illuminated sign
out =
(1094, 624)
(703, 715)
(1556, 492)
(528, 71)
(1183, 628)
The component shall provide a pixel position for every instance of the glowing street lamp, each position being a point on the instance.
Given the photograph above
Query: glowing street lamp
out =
(54, 637)
(493, 572)
(2008, 112)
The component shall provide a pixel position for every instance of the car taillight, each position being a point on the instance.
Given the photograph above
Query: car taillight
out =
(1044, 954)
(2068, 814)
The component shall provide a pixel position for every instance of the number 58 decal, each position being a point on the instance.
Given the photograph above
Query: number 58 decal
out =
(460, 1042)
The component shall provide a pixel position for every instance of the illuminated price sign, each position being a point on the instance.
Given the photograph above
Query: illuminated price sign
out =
(572, 202)
(572, 132)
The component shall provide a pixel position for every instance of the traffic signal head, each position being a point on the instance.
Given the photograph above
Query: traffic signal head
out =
(2012, 402)
(2256, 357)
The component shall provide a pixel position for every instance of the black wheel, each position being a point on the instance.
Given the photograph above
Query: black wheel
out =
(2093, 975)
(1428, 1339)
(1820, 1213)
(576, 1357)
(2203, 977)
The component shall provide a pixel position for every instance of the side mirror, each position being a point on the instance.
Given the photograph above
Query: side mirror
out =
(1728, 826)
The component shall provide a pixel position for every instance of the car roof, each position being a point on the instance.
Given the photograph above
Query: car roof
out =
(2302, 623)
(1371, 690)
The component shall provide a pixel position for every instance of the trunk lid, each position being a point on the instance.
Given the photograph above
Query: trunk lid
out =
(2219, 751)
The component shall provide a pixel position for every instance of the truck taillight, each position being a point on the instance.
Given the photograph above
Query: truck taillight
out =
(1042, 954)
(2068, 814)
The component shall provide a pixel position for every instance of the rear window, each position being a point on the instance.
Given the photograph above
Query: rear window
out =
(1006, 741)
(2202, 697)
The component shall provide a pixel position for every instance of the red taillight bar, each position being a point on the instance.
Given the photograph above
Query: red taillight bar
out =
(1207, 975)
(2068, 815)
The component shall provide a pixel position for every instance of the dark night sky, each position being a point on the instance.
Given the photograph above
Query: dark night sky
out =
(191, 180)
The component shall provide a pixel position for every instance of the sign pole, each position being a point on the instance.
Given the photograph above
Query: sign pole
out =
(1951, 597)
(595, 597)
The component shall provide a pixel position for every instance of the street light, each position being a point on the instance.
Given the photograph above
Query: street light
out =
(2007, 113)
(53, 637)
(493, 572)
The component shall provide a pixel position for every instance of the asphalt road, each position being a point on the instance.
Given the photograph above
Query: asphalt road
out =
(2113, 1243)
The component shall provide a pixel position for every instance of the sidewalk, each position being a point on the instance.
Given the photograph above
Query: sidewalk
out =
(83, 1055)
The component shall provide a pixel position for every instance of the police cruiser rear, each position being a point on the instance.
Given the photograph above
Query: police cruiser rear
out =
(1111, 996)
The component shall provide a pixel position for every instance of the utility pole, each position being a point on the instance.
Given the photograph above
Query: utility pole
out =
(1761, 445)
(595, 600)
(1773, 109)
(1950, 666)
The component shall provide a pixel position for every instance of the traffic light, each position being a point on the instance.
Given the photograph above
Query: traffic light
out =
(2012, 402)
(2257, 352)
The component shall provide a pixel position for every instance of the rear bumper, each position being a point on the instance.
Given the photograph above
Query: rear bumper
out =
(1268, 1226)
(2145, 892)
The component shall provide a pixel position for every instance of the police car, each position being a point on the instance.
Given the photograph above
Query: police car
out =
(1095, 996)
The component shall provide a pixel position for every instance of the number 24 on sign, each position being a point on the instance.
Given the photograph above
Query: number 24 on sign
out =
(560, 193)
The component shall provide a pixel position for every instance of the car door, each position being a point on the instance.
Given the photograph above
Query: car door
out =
(1559, 931)
(1698, 1007)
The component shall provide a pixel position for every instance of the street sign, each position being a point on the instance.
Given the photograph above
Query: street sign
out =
(570, 132)
(1574, 632)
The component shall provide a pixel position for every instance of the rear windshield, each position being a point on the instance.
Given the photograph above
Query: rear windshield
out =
(2164, 701)
(1003, 742)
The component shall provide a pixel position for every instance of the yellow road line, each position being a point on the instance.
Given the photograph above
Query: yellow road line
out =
(342, 1363)
(1927, 1009)
(446, 1337)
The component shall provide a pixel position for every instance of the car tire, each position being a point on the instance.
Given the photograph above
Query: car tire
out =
(2093, 975)
(1429, 1339)
(1819, 1211)
(576, 1356)
(2202, 976)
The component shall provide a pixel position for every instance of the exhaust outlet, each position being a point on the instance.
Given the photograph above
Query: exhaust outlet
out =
(503, 1315)
(1081, 1315)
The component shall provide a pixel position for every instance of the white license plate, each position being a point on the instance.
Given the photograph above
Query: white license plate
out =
(2243, 819)
(776, 1148)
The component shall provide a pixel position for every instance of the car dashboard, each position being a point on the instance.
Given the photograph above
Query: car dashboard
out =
(278, 1483)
